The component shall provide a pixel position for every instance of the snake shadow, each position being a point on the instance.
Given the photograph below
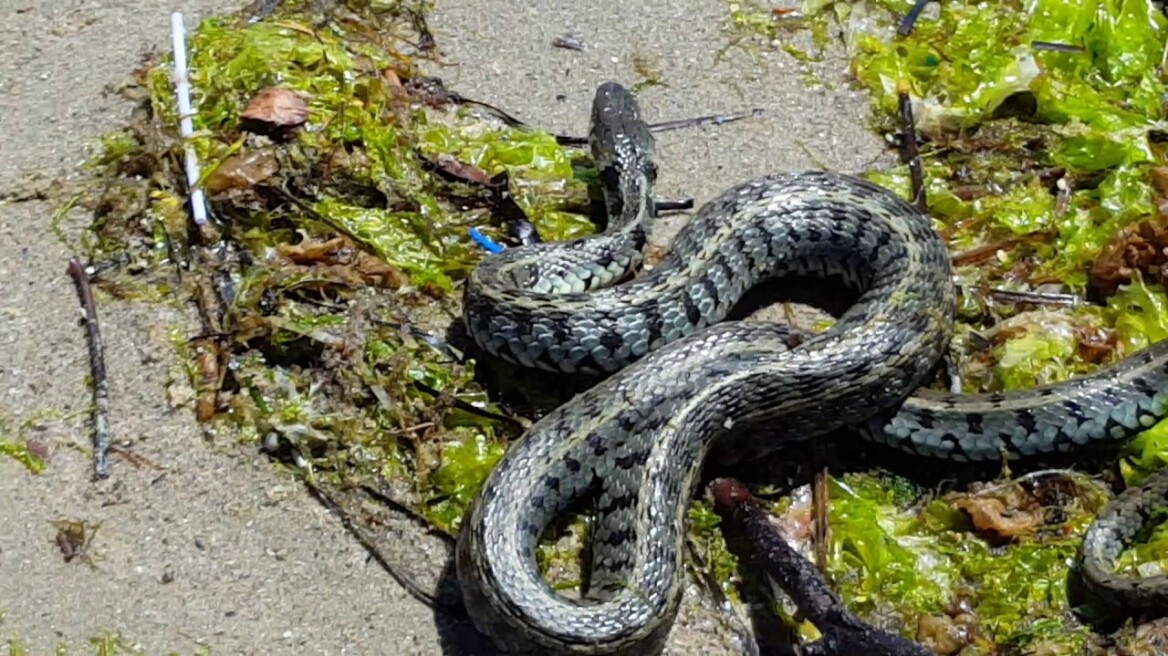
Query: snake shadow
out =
(457, 635)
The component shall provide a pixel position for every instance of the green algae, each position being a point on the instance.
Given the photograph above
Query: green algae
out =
(105, 643)
(15, 437)
(337, 374)
(1042, 122)
(717, 561)
(20, 453)
(357, 110)
(348, 240)
(1098, 109)
(900, 552)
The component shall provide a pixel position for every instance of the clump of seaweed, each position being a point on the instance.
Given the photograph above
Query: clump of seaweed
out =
(341, 183)
(1041, 142)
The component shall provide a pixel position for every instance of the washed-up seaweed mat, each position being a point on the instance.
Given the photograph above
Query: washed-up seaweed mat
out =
(342, 184)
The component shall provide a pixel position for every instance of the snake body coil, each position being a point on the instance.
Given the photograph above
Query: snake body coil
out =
(684, 379)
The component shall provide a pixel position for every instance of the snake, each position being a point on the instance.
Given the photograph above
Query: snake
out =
(678, 382)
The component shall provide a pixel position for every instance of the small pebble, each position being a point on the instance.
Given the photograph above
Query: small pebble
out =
(568, 42)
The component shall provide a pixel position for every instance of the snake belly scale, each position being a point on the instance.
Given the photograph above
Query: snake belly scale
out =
(682, 378)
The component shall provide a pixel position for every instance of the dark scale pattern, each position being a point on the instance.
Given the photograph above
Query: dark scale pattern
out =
(1026, 420)
(1143, 387)
(1073, 410)
(1111, 405)
(1121, 522)
(711, 289)
(636, 441)
(611, 340)
(974, 422)
(622, 502)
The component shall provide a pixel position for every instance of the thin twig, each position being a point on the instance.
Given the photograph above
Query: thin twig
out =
(366, 542)
(569, 140)
(821, 530)
(1051, 46)
(101, 429)
(987, 251)
(1034, 476)
(138, 461)
(426, 40)
(910, 154)
(715, 119)
(1037, 298)
(679, 124)
(473, 409)
(738, 627)
(403, 508)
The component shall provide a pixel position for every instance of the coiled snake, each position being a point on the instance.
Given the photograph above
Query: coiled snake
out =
(684, 379)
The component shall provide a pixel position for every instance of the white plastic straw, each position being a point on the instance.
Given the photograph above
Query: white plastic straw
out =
(186, 124)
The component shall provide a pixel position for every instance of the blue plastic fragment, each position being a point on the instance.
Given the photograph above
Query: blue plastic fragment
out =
(490, 245)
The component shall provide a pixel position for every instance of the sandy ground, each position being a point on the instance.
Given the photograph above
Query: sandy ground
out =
(216, 547)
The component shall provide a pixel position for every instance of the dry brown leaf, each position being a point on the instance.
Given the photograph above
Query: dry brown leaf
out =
(990, 515)
(312, 252)
(242, 171)
(209, 380)
(454, 168)
(73, 538)
(1140, 247)
(341, 261)
(391, 78)
(1096, 345)
(277, 106)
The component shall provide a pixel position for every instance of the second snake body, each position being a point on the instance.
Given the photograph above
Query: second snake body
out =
(684, 379)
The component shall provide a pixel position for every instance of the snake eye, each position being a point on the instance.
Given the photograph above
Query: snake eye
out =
(651, 171)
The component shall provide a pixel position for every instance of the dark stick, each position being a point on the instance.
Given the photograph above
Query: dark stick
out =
(467, 407)
(674, 205)
(568, 140)
(101, 430)
(820, 500)
(910, 154)
(426, 40)
(910, 19)
(844, 634)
